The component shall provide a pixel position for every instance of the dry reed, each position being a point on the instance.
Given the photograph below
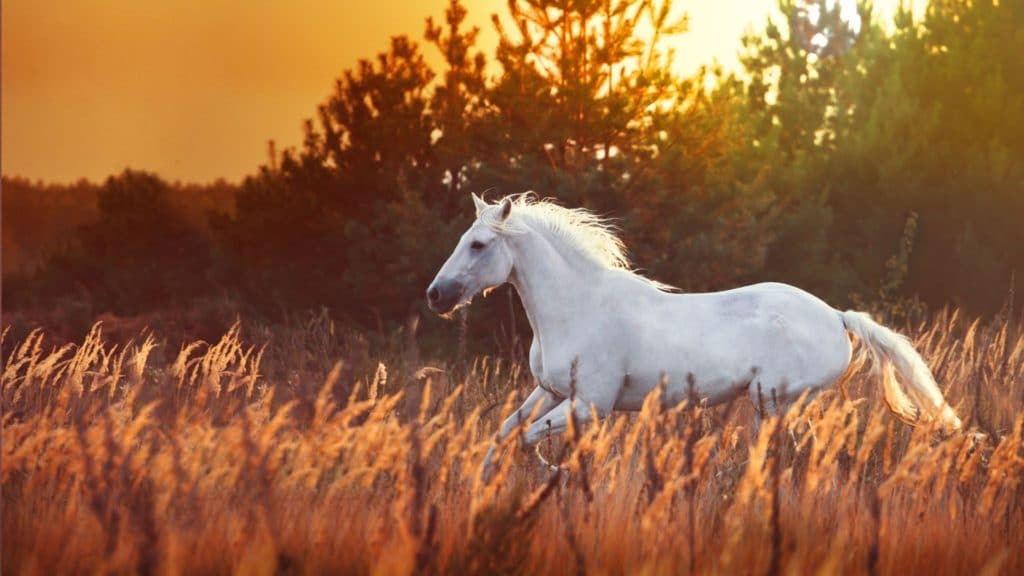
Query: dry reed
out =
(116, 462)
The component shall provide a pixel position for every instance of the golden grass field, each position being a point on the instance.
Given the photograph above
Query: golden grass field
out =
(268, 453)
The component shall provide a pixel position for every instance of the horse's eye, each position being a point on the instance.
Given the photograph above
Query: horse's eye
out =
(477, 245)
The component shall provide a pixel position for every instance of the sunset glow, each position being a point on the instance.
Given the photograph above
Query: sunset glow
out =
(193, 90)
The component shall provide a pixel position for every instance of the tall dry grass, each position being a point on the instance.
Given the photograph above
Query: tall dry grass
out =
(239, 458)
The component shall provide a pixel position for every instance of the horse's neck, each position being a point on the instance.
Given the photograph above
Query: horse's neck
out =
(551, 283)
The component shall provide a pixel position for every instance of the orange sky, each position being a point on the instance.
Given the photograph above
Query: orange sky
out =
(193, 89)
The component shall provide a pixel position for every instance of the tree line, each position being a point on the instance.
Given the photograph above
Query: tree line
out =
(891, 170)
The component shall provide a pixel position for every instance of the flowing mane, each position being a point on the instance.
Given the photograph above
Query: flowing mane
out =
(588, 234)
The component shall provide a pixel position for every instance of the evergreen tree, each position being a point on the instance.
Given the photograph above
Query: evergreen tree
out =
(141, 253)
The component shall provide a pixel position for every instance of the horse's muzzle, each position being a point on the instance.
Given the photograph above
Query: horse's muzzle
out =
(444, 295)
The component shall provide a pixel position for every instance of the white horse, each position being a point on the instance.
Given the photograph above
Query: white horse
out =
(615, 335)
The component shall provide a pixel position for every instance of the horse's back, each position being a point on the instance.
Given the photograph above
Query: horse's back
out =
(776, 311)
(721, 340)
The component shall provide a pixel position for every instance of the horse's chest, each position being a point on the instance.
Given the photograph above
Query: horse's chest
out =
(546, 380)
(565, 372)
(548, 375)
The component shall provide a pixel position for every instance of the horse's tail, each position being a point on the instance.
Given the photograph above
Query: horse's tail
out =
(923, 400)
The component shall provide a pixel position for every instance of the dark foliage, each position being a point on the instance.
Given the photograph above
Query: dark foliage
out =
(807, 168)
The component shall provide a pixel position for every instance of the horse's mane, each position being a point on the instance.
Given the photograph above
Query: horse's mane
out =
(592, 236)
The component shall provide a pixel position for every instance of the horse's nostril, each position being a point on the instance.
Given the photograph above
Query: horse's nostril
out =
(434, 295)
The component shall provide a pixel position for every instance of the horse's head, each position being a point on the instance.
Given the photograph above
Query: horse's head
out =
(482, 260)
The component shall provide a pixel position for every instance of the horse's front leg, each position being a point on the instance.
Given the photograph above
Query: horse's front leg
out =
(557, 420)
(536, 405)
(596, 395)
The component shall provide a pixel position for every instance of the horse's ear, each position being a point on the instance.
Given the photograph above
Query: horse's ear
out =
(478, 203)
(506, 209)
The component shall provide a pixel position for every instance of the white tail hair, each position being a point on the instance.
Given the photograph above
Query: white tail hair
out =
(923, 401)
